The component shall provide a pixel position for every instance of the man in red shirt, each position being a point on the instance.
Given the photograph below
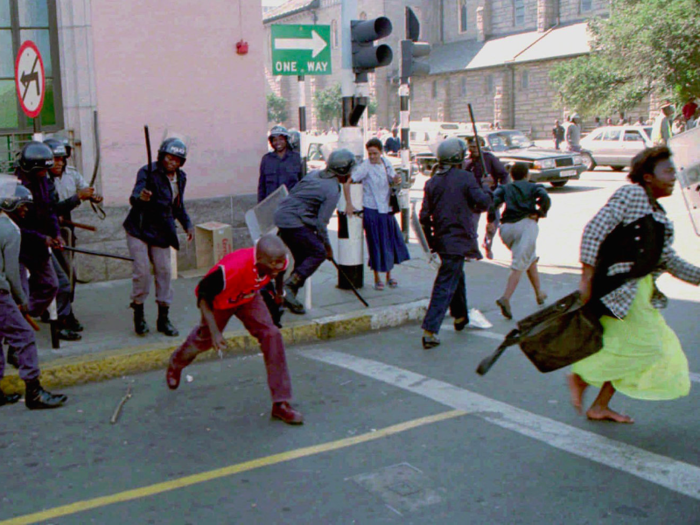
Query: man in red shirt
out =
(231, 288)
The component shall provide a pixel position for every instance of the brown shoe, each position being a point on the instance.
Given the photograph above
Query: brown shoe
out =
(284, 412)
(504, 305)
(172, 377)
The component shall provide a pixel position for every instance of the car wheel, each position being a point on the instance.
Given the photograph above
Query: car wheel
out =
(588, 161)
(559, 183)
(617, 168)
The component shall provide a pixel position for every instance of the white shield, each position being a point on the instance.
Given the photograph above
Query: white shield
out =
(686, 156)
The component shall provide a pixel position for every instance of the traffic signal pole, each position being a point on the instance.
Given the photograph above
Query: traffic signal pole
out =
(404, 118)
(350, 236)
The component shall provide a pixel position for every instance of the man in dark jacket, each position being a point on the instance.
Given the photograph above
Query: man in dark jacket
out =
(157, 200)
(498, 173)
(452, 201)
(280, 166)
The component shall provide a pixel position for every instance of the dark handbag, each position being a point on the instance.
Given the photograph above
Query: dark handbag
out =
(557, 336)
(394, 206)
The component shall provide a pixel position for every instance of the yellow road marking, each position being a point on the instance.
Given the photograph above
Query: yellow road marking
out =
(203, 477)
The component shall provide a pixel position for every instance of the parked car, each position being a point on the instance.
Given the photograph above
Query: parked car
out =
(615, 146)
(545, 165)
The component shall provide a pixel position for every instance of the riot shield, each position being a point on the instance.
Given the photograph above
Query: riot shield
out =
(686, 156)
(261, 218)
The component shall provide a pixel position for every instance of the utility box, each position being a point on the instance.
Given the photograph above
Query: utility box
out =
(212, 241)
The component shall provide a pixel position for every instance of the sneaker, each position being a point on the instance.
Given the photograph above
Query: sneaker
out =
(430, 341)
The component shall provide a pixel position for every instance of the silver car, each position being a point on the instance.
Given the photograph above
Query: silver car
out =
(614, 146)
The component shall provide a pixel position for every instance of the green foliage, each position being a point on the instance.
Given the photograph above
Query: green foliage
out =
(329, 105)
(645, 46)
(372, 108)
(276, 108)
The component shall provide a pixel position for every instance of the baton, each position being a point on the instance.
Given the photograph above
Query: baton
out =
(478, 144)
(31, 322)
(354, 290)
(98, 254)
(118, 410)
(95, 206)
(79, 225)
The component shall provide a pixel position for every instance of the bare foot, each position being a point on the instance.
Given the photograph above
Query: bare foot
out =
(605, 414)
(577, 387)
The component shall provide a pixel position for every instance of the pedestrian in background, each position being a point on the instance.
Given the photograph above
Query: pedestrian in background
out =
(661, 130)
(525, 204)
(393, 143)
(281, 166)
(573, 133)
(452, 201)
(385, 242)
(624, 249)
(157, 200)
(557, 134)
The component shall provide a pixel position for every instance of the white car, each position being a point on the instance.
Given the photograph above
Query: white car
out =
(614, 146)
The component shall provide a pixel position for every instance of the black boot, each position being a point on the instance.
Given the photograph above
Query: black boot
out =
(291, 288)
(164, 325)
(37, 398)
(140, 326)
(71, 323)
(8, 399)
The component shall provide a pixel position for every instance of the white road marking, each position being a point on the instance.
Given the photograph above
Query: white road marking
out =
(672, 474)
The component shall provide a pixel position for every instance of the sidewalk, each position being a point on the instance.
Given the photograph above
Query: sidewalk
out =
(110, 348)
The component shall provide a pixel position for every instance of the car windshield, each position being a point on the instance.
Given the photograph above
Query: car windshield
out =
(507, 140)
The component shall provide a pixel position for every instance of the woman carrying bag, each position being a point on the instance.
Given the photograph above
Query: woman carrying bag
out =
(384, 238)
(624, 249)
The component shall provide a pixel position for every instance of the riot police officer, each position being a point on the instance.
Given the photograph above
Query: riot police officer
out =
(302, 218)
(157, 200)
(280, 166)
(452, 201)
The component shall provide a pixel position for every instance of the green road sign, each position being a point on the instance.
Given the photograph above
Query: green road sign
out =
(301, 50)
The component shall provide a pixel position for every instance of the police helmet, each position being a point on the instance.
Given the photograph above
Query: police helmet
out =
(66, 143)
(21, 196)
(35, 156)
(57, 147)
(451, 151)
(294, 140)
(341, 162)
(278, 131)
(175, 147)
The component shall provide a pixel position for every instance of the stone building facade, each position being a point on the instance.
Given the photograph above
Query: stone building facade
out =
(494, 54)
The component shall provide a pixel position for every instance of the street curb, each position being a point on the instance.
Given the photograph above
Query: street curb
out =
(112, 364)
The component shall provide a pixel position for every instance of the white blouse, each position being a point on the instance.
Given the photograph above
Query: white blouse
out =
(375, 179)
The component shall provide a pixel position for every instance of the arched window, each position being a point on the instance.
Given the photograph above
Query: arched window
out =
(334, 34)
(463, 16)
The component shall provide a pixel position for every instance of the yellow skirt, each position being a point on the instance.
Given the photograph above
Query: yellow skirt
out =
(641, 356)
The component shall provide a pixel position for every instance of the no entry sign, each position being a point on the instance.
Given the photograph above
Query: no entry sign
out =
(30, 79)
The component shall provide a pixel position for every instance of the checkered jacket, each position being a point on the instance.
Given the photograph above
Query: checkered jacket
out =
(627, 205)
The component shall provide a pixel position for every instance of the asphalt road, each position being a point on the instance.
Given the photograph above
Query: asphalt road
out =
(393, 434)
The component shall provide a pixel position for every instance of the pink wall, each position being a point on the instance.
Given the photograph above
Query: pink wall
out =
(173, 64)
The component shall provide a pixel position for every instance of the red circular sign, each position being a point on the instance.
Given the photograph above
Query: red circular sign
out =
(29, 79)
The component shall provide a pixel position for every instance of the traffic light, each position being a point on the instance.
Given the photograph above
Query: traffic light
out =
(412, 49)
(366, 57)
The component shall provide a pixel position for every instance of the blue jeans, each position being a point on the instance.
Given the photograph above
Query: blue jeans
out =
(449, 289)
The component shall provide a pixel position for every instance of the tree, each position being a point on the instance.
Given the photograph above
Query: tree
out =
(644, 47)
(276, 108)
(329, 105)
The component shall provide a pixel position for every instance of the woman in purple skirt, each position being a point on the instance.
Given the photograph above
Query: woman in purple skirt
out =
(384, 238)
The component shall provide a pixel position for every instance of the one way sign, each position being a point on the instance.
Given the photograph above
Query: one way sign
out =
(301, 49)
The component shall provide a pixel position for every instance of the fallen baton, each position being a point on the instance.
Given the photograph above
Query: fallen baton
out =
(98, 254)
(354, 290)
(118, 410)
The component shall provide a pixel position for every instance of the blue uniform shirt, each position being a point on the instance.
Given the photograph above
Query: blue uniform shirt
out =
(276, 170)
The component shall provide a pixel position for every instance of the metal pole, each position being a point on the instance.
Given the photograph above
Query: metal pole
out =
(302, 123)
(350, 234)
(404, 98)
